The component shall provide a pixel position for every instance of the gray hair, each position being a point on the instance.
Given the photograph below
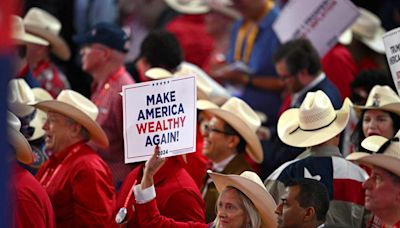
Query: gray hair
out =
(84, 133)
(253, 217)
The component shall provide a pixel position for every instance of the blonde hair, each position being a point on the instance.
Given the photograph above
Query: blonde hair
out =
(253, 218)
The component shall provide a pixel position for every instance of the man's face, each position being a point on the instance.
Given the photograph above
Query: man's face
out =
(57, 128)
(248, 8)
(93, 56)
(381, 192)
(291, 82)
(289, 211)
(35, 53)
(216, 142)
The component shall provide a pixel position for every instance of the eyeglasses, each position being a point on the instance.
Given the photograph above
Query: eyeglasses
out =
(207, 129)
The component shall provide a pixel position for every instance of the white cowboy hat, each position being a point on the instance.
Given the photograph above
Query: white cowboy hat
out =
(19, 35)
(21, 146)
(241, 117)
(224, 7)
(315, 122)
(46, 26)
(250, 184)
(19, 95)
(77, 107)
(368, 30)
(346, 37)
(381, 98)
(40, 116)
(386, 153)
(188, 6)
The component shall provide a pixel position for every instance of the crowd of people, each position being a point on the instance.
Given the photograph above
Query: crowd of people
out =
(284, 137)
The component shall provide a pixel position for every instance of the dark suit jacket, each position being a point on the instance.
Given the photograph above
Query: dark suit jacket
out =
(236, 166)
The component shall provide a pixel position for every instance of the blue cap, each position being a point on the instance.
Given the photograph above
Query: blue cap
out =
(108, 34)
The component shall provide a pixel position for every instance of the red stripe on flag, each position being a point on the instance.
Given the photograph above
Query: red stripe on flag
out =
(349, 191)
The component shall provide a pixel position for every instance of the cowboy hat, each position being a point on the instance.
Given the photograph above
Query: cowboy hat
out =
(381, 98)
(315, 122)
(40, 116)
(367, 28)
(77, 107)
(19, 95)
(188, 6)
(19, 35)
(241, 117)
(346, 37)
(46, 26)
(17, 140)
(386, 153)
(250, 184)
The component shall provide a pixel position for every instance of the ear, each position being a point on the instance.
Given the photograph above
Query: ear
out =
(310, 214)
(233, 141)
(76, 129)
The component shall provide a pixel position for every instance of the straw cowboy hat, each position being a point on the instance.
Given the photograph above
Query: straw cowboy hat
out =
(207, 88)
(21, 146)
(386, 153)
(250, 184)
(40, 116)
(368, 30)
(346, 37)
(315, 122)
(188, 6)
(19, 95)
(381, 98)
(19, 35)
(77, 107)
(46, 26)
(241, 117)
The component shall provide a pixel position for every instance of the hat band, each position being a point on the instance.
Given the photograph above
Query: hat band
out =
(314, 129)
(386, 145)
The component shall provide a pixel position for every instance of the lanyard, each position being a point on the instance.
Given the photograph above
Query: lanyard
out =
(120, 218)
(104, 90)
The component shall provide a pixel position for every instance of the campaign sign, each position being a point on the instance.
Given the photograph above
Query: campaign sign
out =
(391, 40)
(160, 112)
(321, 21)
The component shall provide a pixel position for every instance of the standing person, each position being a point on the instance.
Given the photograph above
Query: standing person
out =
(103, 54)
(30, 204)
(78, 181)
(316, 125)
(382, 189)
(47, 27)
(304, 204)
(230, 133)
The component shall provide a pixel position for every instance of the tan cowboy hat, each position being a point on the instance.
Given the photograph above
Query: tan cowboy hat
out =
(77, 107)
(388, 159)
(40, 116)
(315, 122)
(250, 184)
(46, 26)
(381, 98)
(367, 28)
(19, 95)
(19, 35)
(21, 146)
(223, 7)
(188, 6)
(241, 117)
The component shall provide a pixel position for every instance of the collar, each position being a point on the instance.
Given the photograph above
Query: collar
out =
(109, 79)
(313, 83)
(23, 72)
(42, 64)
(61, 155)
(220, 166)
(324, 151)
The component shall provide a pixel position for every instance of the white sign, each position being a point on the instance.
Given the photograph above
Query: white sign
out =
(161, 112)
(321, 21)
(391, 40)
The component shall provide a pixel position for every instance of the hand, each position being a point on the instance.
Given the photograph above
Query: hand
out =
(233, 76)
(151, 167)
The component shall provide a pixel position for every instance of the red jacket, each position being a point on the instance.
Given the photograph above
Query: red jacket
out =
(177, 194)
(80, 187)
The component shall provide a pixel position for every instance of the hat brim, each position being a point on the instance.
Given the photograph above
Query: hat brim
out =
(395, 108)
(58, 46)
(37, 124)
(261, 199)
(380, 160)
(97, 135)
(375, 43)
(187, 9)
(289, 122)
(21, 146)
(253, 147)
(28, 38)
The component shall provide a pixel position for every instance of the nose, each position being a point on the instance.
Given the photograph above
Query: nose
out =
(367, 184)
(278, 209)
(46, 125)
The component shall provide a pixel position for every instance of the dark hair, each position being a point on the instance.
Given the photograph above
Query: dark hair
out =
(241, 147)
(161, 49)
(358, 135)
(299, 54)
(312, 194)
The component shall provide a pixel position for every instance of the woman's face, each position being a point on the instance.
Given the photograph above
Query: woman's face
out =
(230, 210)
(377, 122)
